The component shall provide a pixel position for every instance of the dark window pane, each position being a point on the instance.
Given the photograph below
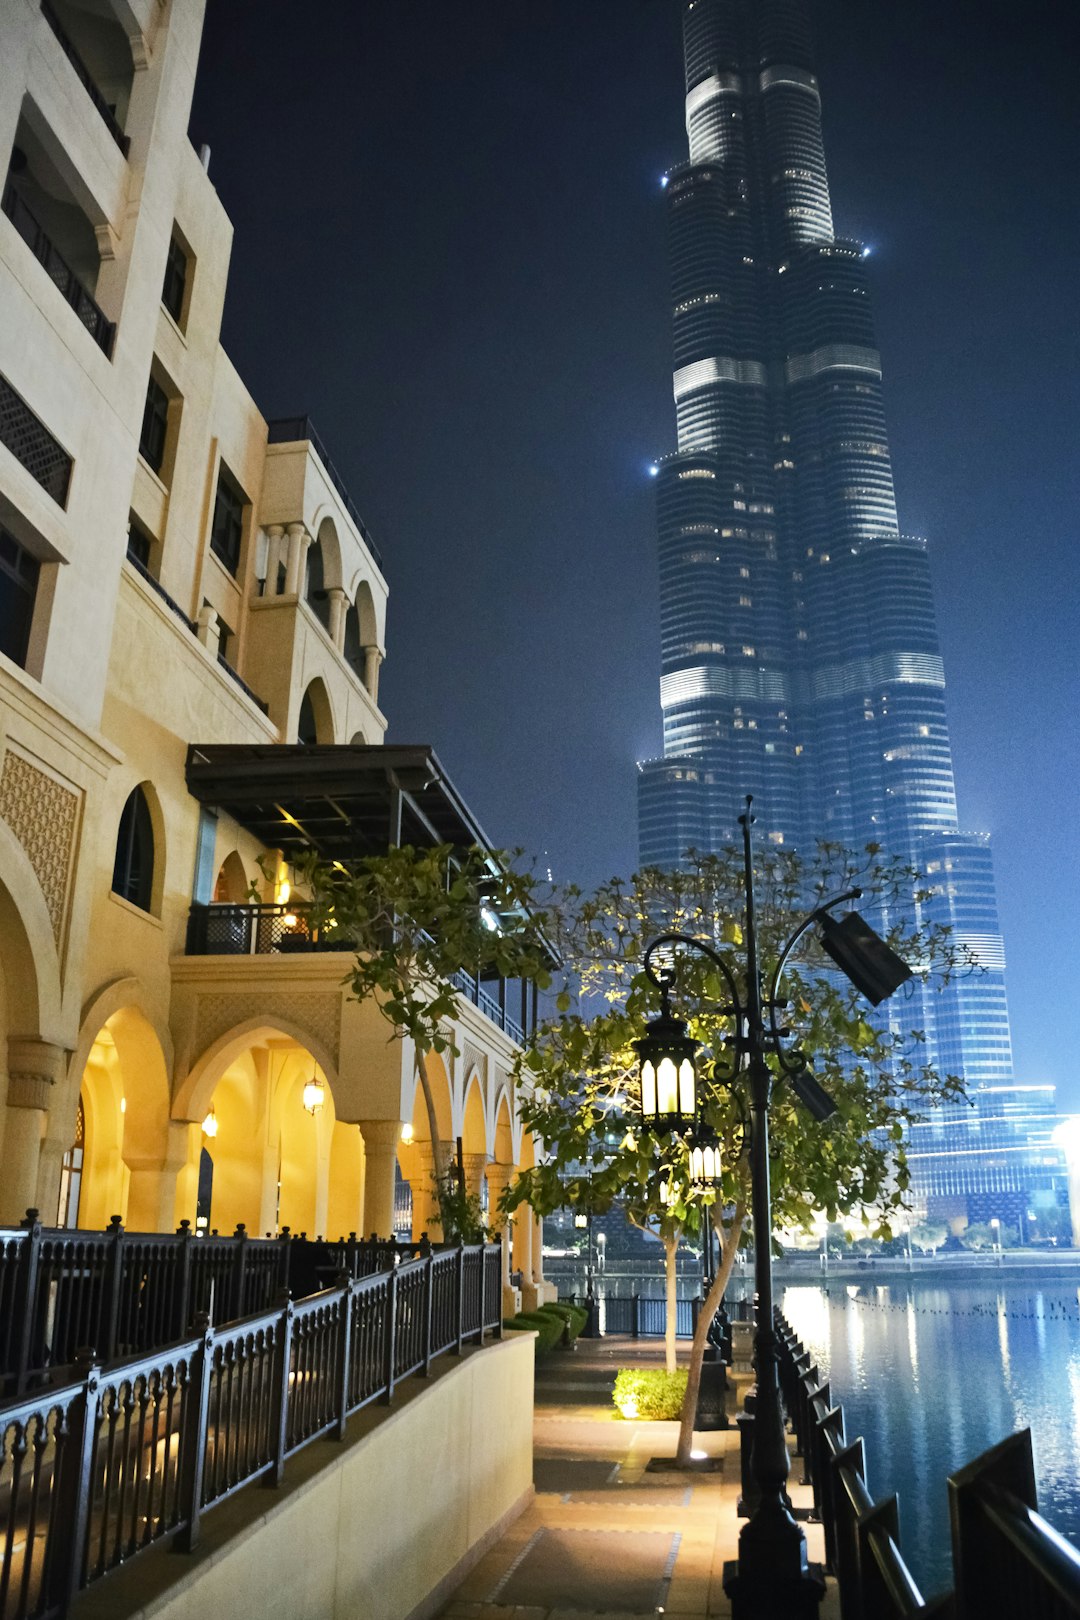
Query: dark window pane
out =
(139, 544)
(18, 591)
(133, 869)
(176, 269)
(155, 424)
(227, 529)
(307, 731)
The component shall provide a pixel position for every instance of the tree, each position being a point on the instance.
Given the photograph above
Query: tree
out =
(416, 919)
(929, 1236)
(583, 1066)
(981, 1235)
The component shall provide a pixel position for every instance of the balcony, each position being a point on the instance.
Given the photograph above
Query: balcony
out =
(299, 430)
(101, 330)
(31, 443)
(86, 78)
(271, 930)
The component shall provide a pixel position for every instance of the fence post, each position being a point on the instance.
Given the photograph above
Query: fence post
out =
(113, 1278)
(26, 1296)
(390, 1341)
(429, 1308)
(483, 1289)
(75, 1485)
(195, 1423)
(459, 1273)
(238, 1272)
(284, 1251)
(279, 1420)
(750, 1495)
(635, 1317)
(845, 1532)
(695, 1311)
(344, 1282)
(182, 1308)
(873, 1591)
(829, 1441)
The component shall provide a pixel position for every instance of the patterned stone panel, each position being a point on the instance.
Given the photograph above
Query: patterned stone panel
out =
(473, 1058)
(319, 1013)
(43, 815)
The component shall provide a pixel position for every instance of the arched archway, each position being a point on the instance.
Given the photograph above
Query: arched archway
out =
(123, 1092)
(316, 591)
(232, 885)
(415, 1154)
(316, 719)
(280, 1155)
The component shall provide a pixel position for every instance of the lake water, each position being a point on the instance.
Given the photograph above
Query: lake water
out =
(931, 1374)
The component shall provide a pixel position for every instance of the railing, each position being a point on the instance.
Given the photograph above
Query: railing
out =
(256, 930)
(156, 586)
(40, 245)
(127, 1292)
(97, 1470)
(85, 77)
(31, 443)
(243, 685)
(294, 429)
(1006, 1559)
(471, 987)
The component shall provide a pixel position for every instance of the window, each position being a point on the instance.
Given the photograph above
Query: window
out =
(307, 730)
(133, 868)
(139, 544)
(227, 528)
(71, 1167)
(18, 593)
(176, 275)
(202, 888)
(155, 426)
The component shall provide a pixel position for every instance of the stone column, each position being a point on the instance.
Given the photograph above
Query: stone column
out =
(372, 659)
(34, 1067)
(275, 546)
(299, 540)
(425, 1203)
(474, 1165)
(339, 604)
(524, 1233)
(545, 1292)
(381, 1137)
(499, 1177)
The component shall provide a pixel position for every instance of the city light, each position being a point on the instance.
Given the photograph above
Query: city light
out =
(653, 469)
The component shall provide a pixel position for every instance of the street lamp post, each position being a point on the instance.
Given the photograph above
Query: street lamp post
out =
(772, 1579)
(995, 1227)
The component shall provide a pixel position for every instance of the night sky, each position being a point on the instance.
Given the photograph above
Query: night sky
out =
(450, 252)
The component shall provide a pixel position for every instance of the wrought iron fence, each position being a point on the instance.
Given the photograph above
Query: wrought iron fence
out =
(125, 1293)
(1006, 1559)
(100, 1468)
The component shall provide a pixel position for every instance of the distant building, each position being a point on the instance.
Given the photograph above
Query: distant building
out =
(994, 1159)
(800, 659)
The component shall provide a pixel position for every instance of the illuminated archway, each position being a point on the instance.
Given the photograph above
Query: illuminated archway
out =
(415, 1155)
(123, 1090)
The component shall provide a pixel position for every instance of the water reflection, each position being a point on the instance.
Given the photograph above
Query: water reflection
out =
(932, 1376)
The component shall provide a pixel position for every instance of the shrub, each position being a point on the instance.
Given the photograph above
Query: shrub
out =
(547, 1326)
(573, 1317)
(649, 1392)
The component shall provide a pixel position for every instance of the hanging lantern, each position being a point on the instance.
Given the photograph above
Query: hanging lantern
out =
(668, 1075)
(314, 1095)
(581, 1219)
(209, 1125)
(705, 1165)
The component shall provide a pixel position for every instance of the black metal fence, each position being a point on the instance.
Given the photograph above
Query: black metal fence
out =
(94, 1471)
(1006, 1559)
(124, 1293)
(41, 246)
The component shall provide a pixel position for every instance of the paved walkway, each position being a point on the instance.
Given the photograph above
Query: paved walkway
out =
(603, 1536)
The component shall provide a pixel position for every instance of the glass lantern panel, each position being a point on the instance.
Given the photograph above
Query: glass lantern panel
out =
(686, 1089)
(667, 1088)
(648, 1090)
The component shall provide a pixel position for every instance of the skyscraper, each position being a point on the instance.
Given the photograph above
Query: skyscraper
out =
(800, 659)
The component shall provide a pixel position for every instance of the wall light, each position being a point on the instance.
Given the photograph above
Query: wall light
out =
(209, 1125)
(407, 1134)
(314, 1095)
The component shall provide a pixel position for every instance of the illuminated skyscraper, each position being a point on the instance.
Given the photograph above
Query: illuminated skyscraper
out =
(800, 659)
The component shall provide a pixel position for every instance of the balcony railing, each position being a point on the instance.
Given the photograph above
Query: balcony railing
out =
(474, 990)
(97, 1469)
(31, 443)
(85, 77)
(101, 330)
(294, 429)
(256, 930)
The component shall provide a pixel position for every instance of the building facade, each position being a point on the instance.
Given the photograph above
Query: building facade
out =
(192, 620)
(800, 659)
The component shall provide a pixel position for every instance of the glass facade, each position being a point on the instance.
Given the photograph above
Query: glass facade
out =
(799, 654)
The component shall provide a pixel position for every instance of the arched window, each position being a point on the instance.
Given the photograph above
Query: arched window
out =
(205, 1195)
(71, 1168)
(315, 592)
(133, 868)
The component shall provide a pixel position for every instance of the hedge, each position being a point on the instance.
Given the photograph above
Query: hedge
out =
(649, 1392)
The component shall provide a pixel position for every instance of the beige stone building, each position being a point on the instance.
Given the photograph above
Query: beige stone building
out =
(192, 622)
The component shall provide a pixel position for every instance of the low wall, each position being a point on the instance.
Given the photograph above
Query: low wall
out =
(381, 1525)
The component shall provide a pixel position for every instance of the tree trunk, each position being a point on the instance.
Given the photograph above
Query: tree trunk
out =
(671, 1249)
(729, 1244)
(437, 1159)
